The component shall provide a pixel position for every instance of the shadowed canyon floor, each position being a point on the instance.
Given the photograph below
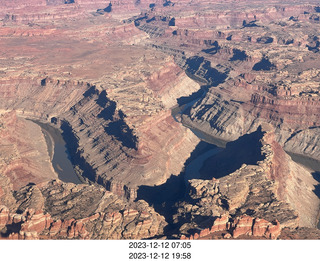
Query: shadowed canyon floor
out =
(138, 92)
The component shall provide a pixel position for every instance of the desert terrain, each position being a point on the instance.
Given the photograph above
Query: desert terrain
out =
(157, 119)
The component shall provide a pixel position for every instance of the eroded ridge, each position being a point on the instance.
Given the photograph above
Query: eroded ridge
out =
(24, 156)
(256, 65)
(58, 210)
(275, 189)
(120, 129)
(107, 75)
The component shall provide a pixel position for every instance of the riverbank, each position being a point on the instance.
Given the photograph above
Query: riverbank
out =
(176, 113)
(304, 160)
(192, 168)
(58, 153)
(49, 142)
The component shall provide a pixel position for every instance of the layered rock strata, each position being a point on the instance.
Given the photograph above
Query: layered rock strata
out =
(118, 123)
(257, 64)
(275, 188)
(241, 226)
(58, 210)
(24, 156)
(90, 68)
(274, 80)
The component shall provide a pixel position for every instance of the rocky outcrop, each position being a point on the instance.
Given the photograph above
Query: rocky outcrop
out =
(248, 191)
(107, 141)
(6, 196)
(274, 85)
(58, 210)
(129, 138)
(300, 233)
(108, 73)
(239, 227)
(171, 83)
(24, 155)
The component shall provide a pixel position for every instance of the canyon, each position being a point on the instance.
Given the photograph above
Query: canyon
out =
(242, 198)
(136, 88)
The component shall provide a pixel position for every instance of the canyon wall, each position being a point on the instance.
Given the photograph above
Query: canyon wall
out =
(57, 210)
(247, 191)
(259, 90)
(120, 129)
(252, 74)
(24, 154)
(107, 74)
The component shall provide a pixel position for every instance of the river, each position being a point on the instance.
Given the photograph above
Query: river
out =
(58, 153)
(192, 169)
(306, 161)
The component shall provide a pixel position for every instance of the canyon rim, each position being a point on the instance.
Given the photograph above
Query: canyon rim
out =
(159, 119)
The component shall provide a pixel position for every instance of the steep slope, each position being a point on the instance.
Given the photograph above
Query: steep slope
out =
(108, 73)
(24, 156)
(119, 130)
(58, 210)
(274, 188)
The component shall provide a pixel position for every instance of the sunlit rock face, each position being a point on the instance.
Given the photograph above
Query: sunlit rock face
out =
(116, 109)
(58, 210)
(247, 191)
(24, 155)
(107, 74)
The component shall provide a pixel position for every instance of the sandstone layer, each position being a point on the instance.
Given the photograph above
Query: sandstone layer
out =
(24, 157)
(118, 122)
(256, 65)
(58, 210)
(274, 189)
(107, 75)
(270, 76)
